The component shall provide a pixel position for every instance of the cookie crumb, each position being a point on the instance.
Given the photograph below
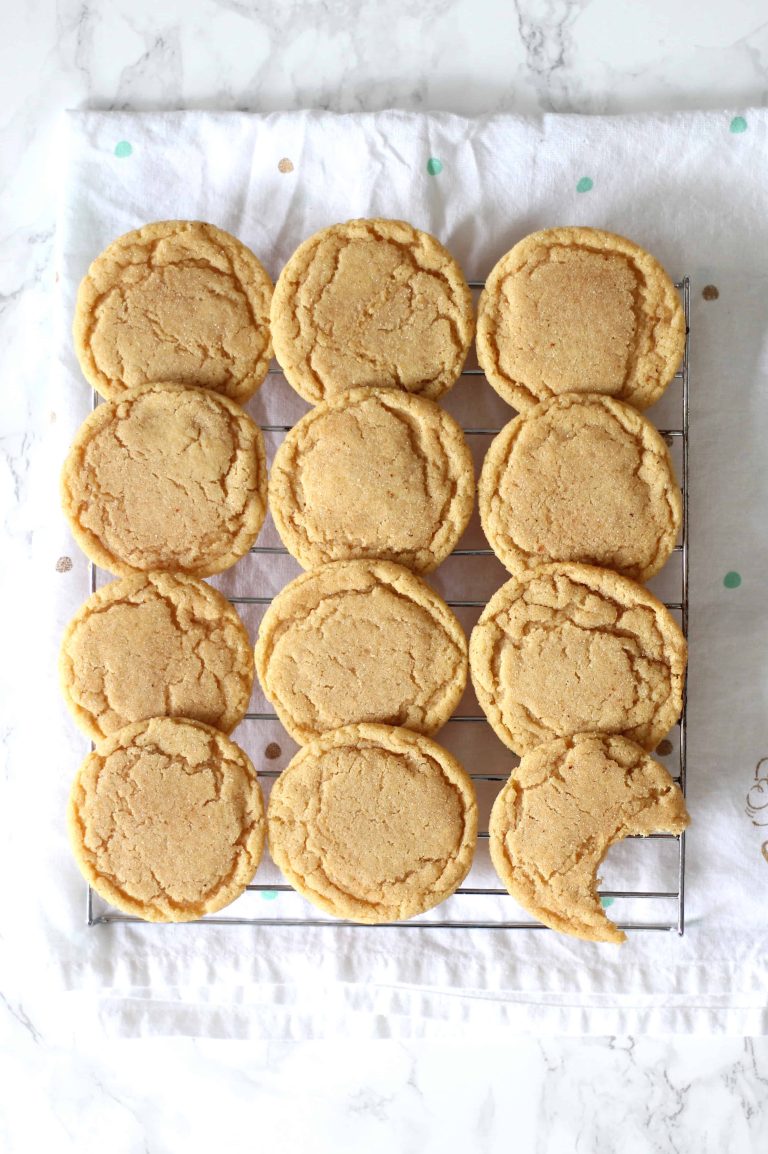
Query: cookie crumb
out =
(272, 751)
(64, 564)
(285, 165)
(710, 292)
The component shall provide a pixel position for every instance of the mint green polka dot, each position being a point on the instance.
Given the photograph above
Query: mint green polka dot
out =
(586, 184)
(606, 902)
(268, 895)
(738, 124)
(434, 166)
(123, 148)
(732, 580)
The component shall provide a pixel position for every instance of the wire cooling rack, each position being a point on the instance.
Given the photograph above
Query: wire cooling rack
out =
(486, 905)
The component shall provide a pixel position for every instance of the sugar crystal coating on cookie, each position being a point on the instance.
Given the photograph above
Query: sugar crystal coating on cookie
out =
(570, 648)
(371, 302)
(581, 478)
(561, 810)
(166, 820)
(167, 478)
(154, 645)
(373, 823)
(373, 473)
(360, 641)
(177, 300)
(579, 310)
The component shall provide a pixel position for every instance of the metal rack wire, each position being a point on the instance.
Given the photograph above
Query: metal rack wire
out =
(498, 919)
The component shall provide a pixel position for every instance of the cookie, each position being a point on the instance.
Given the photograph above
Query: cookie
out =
(166, 820)
(577, 310)
(562, 809)
(570, 648)
(166, 478)
(373, 823)
(371, 302)
(178, 300)
(360, 641)
(155, 645)
(581, 478)
(373, 473)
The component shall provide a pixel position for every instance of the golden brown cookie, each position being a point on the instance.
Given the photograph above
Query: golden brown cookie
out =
(155, 645)
(371, 302)
(166, 820)
(570, 648)
(373, 473)
(373, 823)
(562, 809)
(178, 300)
(168, 478)
(581, 478)
(360, 641)
(577, 310)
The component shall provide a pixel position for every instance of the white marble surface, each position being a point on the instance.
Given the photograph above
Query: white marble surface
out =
(461, 55)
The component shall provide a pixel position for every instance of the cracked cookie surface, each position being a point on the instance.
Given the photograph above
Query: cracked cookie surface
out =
(581, 478)
(360, 641)
(166, 820)
(155, 645)
(178, 300)
(373, 823)
(371, 302)
(579, 310)
(570, 648)
(373, 473)
(562, 809)
(167, 478)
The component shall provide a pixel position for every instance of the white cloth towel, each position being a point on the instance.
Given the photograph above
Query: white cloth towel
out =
(693, 189)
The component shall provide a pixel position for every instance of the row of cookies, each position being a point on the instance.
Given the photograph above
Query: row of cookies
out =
(174, 478)
(371, 476)
(579, 669)
(166, 816)
(168, 479)
(378, 302)
(556, 651)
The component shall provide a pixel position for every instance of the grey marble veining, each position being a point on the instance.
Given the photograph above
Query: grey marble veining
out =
(468, 56)
(554, 1096)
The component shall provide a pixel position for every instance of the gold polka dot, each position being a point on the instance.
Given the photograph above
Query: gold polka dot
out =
(710, 292)
(273, 750)
(64, 564)
(285, 165)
